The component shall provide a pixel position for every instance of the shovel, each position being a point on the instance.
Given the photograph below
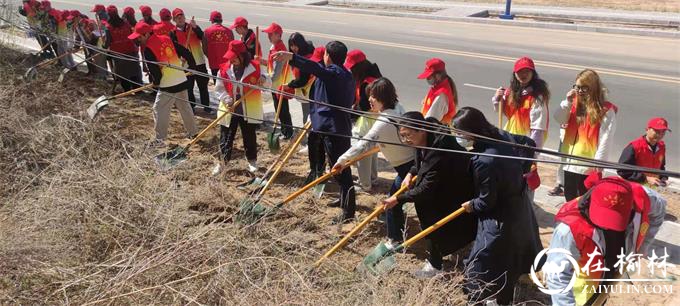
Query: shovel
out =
(262, 181)
(33, 71)
(272, 138)
(252, 210)
(103, 101)
(381, 259)
(67, 70)
(378, 210)
(177, 155)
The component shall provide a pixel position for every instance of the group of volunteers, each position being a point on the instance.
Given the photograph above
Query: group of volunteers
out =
(352, 108)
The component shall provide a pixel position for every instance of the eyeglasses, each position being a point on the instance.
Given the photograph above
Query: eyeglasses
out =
(580, 88)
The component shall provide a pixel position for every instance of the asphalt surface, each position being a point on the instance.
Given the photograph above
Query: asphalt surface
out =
(641, 73)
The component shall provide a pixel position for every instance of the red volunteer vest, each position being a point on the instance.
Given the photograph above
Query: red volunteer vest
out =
(445, 88)
(644, 157)
(164, 49)
(583, 139)
(165, 29)
(218, 38)
(279, 46)
(119, 38)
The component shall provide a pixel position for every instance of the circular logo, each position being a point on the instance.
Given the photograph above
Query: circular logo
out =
(552, 270)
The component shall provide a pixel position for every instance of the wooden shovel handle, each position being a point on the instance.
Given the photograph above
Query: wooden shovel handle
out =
(285, 159)
(378, 210)
(432, 228)
(186, 43)
(278, 107)
(52, 60)
(257, 43)
(500, 113)
(329, 174)
(215, 122)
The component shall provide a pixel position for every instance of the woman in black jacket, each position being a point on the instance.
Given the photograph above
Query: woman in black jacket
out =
(507, 233)
(443, 184)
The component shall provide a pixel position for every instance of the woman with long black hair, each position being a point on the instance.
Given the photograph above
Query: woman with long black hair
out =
(507, 232)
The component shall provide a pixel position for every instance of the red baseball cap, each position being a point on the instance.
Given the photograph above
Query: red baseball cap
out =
(317, 56)
(523, 63)
(353, 57)
(611, 203)
(145, 10)
(66, 15)
(165, 14)
(236, 47)
(431, 66)
(176, 12)
(658, 124)
(273, 28)
(74, 14)
(98, 8)
(239, 21)
(112, 10)
(141, 28)
(215, 15)
(45, 4)
(129, 11)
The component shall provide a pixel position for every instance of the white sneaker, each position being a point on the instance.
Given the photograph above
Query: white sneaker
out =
(217, 169)
(303, 149)
(428, 271)
(391, 244)
(252, 166)
(360, 188)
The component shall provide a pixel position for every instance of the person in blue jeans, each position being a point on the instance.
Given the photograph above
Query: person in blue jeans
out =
(382, 97)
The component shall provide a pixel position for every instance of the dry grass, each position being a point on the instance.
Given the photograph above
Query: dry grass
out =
(87, 217)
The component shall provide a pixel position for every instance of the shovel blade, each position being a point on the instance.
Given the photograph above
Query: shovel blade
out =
(318, 190)
(172, 158)
(379, 261)
(97, 105)
(62, 74)
(273, 142)
(30, 74)
(250, 211)
(256, 181)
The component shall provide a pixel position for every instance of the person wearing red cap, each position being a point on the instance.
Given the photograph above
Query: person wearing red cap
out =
(31, 9)
(590, 124)
(525, 102)
(442, 97)
(216, 40)
(614, 217)
(190, 36)
(507, 238)
(364, 73)
(100, 12)
(333, 86)
(165, 26)
(147, 15)
(117, 32)
(249, 113)
(248, 37)
(64, 37)
(647, 151)
(275, 74)
(129, 16)
(171, 82)
(97, 67)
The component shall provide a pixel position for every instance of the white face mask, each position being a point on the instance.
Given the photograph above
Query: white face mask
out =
(465, 143)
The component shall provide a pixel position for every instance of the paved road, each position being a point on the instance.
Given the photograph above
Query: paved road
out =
(642, 74)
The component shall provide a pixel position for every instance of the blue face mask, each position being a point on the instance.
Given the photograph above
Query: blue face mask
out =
(465, 143)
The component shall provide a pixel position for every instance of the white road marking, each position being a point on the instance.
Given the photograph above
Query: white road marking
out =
(258, 14)
(332, 22)
(480, 86)
(571, 46)
(432, 32)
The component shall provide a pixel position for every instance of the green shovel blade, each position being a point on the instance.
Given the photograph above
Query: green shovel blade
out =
(273, 142)
(379, 261)
(172, 158)
(250, 211)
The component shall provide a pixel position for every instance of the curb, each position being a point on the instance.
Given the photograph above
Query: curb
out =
(320, 5)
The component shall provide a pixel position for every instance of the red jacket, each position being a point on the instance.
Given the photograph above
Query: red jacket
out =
(217, 39)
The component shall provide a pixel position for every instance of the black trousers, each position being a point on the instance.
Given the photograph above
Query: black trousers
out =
(202, 83)
(335, 146)
(228, 134)
(214, 73)
(316, 153)
(133, 83)
(284, 116)
(573, 185)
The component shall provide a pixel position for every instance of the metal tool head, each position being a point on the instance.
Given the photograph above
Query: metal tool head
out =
(251, 211)
(62, 74)
(256, 181)
(379, 261)
(97, 106)
(170, 159)
(318, 190)
(273, 142)
(30, 74)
